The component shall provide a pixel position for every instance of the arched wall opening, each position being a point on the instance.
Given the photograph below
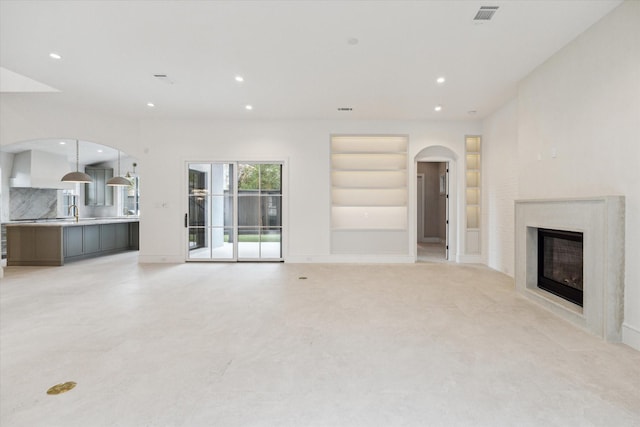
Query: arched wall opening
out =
(439, 153)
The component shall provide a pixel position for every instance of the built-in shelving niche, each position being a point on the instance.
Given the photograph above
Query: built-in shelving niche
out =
(369, 195)
(473, 196)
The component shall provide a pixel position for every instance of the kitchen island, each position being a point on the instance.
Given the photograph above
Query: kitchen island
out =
(53, 243)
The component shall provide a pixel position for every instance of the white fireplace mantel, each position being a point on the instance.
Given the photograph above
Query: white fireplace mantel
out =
(601, 220)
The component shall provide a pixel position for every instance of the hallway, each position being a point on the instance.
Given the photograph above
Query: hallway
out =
(431, 252)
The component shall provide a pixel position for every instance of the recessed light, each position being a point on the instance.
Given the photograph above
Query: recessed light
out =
(99, 151)
(438, 108)
(55, 55)
(62, 143)
(151, 104)
(440, 80)
(249, 107)
(239, 79)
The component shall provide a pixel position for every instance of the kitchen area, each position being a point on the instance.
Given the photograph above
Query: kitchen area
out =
(48, 221)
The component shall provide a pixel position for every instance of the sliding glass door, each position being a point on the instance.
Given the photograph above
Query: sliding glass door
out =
(251, 190)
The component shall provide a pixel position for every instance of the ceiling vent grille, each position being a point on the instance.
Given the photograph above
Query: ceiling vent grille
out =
(164, 78)
(485, 13)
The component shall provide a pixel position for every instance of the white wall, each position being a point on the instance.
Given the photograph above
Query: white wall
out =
(578, 130)
(163, 146)
(303, 145)
(500, 187)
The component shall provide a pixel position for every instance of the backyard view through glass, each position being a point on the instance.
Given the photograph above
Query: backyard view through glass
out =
(251, 190)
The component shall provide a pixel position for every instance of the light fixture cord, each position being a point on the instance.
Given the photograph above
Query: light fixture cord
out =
(118, 162)
(77, 156)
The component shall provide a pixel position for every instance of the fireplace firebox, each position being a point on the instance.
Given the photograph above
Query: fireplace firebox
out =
(560, 264)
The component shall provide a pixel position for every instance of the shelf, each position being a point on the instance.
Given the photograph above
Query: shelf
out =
(368, 162)
(473, 193)
(368, 197)
(473, 144)
(369, 194)
(353, 187)
(369, 144)
(373, 217)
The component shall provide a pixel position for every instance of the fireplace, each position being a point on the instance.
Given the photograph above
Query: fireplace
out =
(601, 277)
(560, 266)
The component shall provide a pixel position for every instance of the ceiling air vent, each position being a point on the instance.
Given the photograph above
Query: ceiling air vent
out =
(345, 109)
(164, 78)
(485, 13)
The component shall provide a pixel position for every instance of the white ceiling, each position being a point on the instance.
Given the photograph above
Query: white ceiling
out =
(295, 56)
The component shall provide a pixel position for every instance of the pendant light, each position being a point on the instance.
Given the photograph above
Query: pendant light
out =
(77, 176)
(118, 181)
(130, 174)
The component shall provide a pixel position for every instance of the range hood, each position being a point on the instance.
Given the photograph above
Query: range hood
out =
(39, 169)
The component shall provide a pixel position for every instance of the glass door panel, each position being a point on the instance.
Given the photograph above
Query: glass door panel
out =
(235, 217)
(210, 215)
(271, 243)
(259, 211)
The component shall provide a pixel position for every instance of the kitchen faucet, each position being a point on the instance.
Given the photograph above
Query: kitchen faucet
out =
(76, 211)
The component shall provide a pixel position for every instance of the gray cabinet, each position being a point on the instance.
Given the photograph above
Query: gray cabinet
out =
(98, 193)
(88, 241)
(38, 244)
(91, 238)
(114, 236)
(73, 241)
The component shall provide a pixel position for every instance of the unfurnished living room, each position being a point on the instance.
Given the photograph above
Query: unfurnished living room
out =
(320, 213)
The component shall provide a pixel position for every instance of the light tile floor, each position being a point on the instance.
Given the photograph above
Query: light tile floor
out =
(428, 344)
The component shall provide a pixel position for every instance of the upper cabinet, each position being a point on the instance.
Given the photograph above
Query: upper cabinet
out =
(97, 193)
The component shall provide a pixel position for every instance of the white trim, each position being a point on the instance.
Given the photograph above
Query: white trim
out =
(469, 259)
(351, 259)
(420, 209)
(631, 336)
(455, 228)
(160, 259)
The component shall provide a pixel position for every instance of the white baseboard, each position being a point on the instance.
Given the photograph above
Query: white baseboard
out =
(160, 259)
(469, 259)
(631, 336)
(351, 259)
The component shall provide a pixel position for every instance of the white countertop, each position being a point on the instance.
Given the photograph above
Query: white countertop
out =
(71, 222)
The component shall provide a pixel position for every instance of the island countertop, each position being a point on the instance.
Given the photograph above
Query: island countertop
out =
(70, 222)
(54, 242)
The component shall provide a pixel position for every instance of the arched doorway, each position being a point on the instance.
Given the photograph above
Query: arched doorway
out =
(442, 162)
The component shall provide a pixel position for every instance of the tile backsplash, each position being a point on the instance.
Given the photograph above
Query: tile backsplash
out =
(33, 203)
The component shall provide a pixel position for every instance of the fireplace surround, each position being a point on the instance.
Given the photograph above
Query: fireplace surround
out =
(601, 222)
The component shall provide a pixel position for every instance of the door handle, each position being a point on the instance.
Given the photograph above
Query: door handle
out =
(186, 220)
